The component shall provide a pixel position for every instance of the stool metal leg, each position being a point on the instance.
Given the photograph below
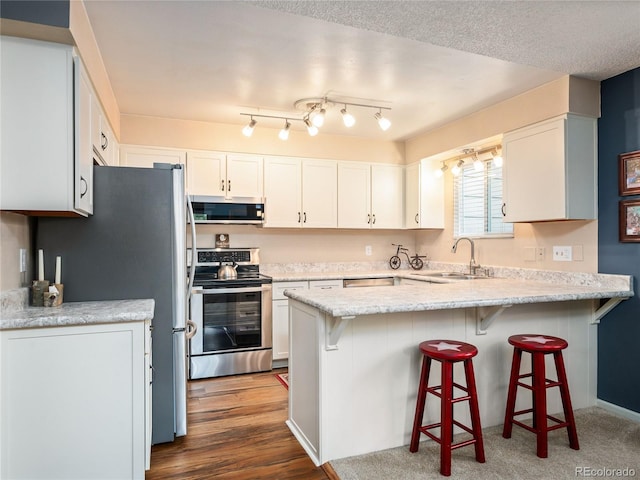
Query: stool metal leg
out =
(446, 418)
(511, 396)
(566, 401)
(422, 396)
(540, 404)
(475, 411)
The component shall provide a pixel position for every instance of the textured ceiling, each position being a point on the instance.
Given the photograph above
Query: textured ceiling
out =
(430, 62)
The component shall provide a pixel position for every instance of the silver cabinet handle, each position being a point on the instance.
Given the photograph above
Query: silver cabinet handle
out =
(417, 218)
(228, 185)
(305, 217)
(374, 218)
(368, 218)
(504, 209)
(222, 185)
(298, 217)
(86, 187)
(105, 141)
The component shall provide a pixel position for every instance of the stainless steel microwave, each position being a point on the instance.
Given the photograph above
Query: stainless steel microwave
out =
(221, 210)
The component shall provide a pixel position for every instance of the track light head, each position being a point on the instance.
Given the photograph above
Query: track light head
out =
(497, 159)
(348, 119)
(383, 122)
(457, 168)
(478, 165)
(284, 133)
(312, 130)
(318, 118)
(441, 170)
(248, 129)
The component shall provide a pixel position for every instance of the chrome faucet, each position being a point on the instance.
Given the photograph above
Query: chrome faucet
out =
(473, 266)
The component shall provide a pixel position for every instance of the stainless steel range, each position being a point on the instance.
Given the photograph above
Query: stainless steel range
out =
(231, 306)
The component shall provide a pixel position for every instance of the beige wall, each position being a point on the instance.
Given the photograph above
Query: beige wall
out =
(166, 132)
(14, 235)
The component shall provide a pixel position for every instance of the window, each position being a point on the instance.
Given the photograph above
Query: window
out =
(477, 202)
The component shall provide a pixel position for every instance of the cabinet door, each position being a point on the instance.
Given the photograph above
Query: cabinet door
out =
(412, 196)
(431, 194)
(325, 284)
(319, 193)
(280, 316)
(387, 196)
(83, 196)
(206, 173)
(534, 172)
(283, 192)
(244, 175)
(145, 157)
(354, 195)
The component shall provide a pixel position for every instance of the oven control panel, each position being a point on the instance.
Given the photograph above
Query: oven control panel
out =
(218, 255)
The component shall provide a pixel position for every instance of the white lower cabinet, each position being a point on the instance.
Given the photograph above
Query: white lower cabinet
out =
(280, 312)
(73, 402)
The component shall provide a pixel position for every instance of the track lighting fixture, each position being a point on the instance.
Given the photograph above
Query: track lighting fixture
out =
(314, 114)
(248, 129)
(284, 133)
(383, 122)
(475, 156)
(348, 119)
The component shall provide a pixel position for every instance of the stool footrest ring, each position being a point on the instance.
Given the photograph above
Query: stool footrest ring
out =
(425, 429)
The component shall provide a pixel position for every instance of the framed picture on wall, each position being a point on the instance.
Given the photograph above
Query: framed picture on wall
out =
(629, 173)
(630, 221)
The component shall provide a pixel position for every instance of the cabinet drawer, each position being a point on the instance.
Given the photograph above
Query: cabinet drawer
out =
(325, 284)
(280, 287)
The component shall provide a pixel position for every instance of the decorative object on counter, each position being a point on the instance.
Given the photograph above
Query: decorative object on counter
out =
(630, 221)
(415, 261)
(38, 289)
(53, 296)
(539, 346)
(222, 240)
(629, 173)
(448, 353)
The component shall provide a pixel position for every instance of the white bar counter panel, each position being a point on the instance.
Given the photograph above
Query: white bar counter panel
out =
(357, 395)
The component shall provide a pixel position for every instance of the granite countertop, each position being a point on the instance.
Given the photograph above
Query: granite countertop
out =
(79, 313)
(458, 294)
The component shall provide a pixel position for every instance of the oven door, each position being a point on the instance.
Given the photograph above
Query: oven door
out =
(231, 319)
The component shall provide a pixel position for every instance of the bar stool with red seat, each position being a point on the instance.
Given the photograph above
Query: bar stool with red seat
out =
(448, 352)
(539, 346)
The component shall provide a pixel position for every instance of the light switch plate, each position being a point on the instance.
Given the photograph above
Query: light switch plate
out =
(367, 250)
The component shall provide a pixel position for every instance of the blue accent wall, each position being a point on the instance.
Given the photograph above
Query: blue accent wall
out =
(48, 12)
(619, 331)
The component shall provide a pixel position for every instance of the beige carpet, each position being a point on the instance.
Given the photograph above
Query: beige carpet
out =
(607, 442)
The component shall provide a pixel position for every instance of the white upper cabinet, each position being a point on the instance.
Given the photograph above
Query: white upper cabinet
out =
(370, 195)
(145, 157)
(300, 193)
(102, 138)
(550, 170)
(43, 171)
(224, 174)
(424, 196)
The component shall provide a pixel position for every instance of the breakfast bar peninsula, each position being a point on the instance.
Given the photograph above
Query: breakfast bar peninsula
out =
(354, 362)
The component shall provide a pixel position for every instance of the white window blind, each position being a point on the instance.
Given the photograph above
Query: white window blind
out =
(477, 202)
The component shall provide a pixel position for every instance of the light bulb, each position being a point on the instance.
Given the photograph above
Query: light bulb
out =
(383, 122)
(456, 169)
(497, 160)
(248, 129)
(284, 133)
(439, 172)
(312, 130)
(348, 119)
(318, 118)
(478, 166)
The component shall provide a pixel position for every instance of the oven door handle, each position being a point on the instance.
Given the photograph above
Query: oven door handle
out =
(205, 291)
(192, 328)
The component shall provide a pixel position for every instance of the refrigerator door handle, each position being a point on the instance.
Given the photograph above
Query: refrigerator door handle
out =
(192, 328)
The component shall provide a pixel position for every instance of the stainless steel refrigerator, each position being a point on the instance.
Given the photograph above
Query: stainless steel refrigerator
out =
(132, 247)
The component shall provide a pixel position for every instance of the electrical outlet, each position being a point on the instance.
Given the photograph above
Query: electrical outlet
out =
(23, 260)
(540, 254)
(562, 253)
(367, 250)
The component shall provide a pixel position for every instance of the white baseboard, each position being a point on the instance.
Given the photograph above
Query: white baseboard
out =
(620, 411)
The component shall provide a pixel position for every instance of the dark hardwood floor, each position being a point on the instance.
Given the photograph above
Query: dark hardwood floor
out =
(236, 430)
